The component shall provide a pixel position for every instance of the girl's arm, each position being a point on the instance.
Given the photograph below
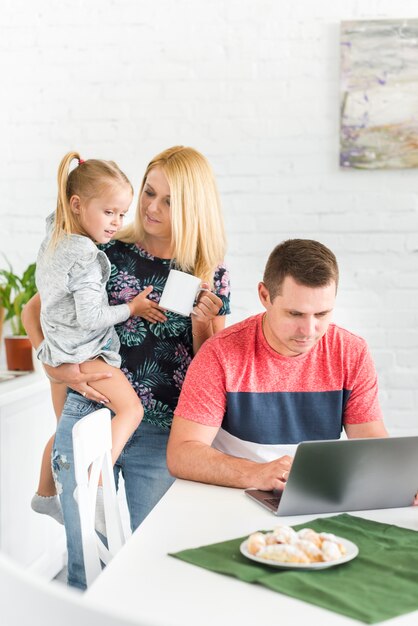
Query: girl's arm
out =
(68, 373)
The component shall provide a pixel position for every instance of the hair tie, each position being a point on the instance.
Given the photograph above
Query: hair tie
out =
(80, 161)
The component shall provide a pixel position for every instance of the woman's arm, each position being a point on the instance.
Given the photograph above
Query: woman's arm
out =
(203, 330)
(205, 319)
(68, 373)
(31, 320)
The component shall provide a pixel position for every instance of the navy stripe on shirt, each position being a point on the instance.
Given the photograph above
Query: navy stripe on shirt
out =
(285, 417)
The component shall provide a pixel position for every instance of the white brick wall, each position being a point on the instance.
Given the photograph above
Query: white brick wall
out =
(253, 85)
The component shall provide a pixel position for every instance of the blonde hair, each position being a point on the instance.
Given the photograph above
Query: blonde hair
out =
(88, 181)
(198, 232)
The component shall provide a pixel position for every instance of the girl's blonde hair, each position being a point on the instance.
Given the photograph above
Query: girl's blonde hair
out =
(198, 232)
(88, 180)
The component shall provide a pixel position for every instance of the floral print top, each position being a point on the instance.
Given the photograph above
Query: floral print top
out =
(155, 357)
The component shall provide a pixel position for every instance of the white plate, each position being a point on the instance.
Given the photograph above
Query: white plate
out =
(351, 553)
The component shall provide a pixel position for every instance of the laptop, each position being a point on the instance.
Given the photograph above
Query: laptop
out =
(347, 475)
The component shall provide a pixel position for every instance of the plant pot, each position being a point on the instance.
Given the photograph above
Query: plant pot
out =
(2, 311)
(18, 353)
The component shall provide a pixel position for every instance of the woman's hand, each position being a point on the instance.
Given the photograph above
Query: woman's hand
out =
(71, 375)
(149, 310)
(207, 307)
(205, 319)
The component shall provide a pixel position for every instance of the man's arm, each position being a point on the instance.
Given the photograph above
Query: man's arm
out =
(68, 373)
(369, 429)
(362, 414)
(190, 456)
(366, 429)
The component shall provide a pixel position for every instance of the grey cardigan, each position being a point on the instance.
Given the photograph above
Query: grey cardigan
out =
(76, 318)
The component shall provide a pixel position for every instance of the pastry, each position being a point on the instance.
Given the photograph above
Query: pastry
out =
(283, 534)
(331, 550)
(285, 545)
(310, 549)
(330, 537)
(283, 553)
(256, 541)
(310, 535)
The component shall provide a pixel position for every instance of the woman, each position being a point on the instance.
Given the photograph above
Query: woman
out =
(178, 224)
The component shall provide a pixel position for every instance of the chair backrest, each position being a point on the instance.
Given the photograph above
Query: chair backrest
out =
(26, 599)
(92, 443)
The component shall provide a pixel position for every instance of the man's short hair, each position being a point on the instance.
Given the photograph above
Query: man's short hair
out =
(308, 262)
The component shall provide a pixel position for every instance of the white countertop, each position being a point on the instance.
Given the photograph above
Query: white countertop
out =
(143, 582)
(12, 390)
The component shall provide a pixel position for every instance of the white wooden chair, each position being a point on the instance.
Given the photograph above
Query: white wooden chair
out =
(92, 443)
(26, 599)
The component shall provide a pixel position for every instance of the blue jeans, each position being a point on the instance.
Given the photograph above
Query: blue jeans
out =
(142, 464)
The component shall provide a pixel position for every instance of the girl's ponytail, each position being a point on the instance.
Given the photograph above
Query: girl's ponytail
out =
(64, 220)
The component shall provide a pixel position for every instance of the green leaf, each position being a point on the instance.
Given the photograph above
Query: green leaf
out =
(15, 292)
(166, 351)
(173, 327)
(150, 374)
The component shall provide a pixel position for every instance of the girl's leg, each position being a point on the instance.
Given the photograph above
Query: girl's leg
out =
(59, 396)
(45, 499)
(123, 402)
(46, 485)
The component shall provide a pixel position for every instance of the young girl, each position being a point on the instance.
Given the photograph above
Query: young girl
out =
(77, 321)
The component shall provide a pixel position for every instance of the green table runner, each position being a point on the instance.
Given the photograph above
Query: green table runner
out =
(381, 583)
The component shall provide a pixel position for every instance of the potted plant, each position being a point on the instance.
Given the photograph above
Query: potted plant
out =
(15, 291)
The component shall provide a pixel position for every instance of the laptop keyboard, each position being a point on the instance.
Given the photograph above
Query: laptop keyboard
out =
(273, 501)
(270, 499)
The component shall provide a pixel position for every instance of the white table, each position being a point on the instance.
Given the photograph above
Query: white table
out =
(143, 582)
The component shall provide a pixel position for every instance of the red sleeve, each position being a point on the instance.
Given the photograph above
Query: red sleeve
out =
(203, 395)
(363, 403)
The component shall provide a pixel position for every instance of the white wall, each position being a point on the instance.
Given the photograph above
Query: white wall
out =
(255, 86)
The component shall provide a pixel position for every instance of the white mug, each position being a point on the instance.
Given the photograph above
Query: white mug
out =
(180, 292)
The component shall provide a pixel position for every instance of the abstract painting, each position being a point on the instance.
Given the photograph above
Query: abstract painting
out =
(379, 94)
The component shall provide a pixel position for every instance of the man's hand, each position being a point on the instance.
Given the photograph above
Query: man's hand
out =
(273, 475)
(71, 375)
(190, 455)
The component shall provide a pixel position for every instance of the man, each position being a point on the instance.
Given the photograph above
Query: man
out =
(261, 386)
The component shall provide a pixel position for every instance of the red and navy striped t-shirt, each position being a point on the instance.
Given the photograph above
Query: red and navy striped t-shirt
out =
(265, 403)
